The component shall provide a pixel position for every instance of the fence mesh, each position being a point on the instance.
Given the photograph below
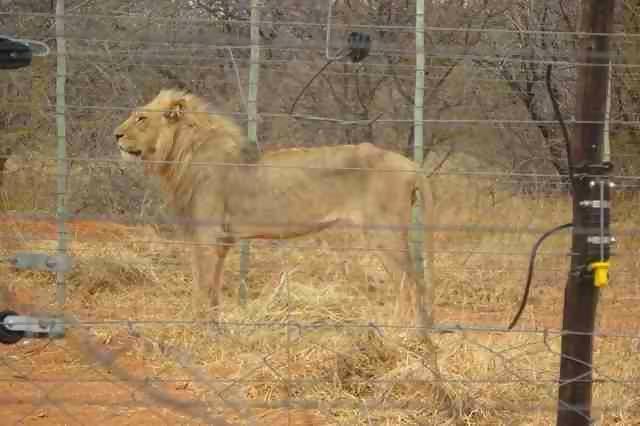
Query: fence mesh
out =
(324, 338)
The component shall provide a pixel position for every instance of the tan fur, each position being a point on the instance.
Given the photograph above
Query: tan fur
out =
(284, 194)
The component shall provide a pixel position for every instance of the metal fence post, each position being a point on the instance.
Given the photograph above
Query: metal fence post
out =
(606, 143)
(591, 217)
(14, 327)
(252, 129)
(62, 166)
(423, 302)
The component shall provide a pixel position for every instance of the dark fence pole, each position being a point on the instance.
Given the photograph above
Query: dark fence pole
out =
(591, 238)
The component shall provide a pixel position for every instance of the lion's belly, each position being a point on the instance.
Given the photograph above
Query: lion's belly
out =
(286, 225)
(282, 201)
(289, 231)
(289, 218)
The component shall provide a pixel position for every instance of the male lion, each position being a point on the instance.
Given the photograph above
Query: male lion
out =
(218, 185)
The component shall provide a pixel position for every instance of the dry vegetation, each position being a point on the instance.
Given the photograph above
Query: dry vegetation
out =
(343, 359)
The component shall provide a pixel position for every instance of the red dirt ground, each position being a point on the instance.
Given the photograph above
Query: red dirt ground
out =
(48, 383)
(80, 229)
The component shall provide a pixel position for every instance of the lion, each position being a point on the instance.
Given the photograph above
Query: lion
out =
(224, 191)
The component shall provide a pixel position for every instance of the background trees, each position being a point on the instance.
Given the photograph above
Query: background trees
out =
(121, 53)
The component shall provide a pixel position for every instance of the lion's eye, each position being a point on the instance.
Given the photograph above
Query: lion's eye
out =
(140, 119)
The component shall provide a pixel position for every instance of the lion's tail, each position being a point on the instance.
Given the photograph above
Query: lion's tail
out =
(429, 220)
(426, 196)
(423, 190)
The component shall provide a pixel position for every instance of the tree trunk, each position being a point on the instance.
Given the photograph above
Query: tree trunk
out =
(3, 161)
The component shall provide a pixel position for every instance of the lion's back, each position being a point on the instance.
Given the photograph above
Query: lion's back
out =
(346, 157)
(337, 175)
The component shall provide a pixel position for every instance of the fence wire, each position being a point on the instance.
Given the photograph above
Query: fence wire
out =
(327, 336)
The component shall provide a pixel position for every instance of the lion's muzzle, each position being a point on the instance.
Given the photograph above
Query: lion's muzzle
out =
(125, 150)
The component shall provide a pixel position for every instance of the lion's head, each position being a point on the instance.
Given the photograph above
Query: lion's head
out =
(144, 133)
(177, 129)
(175, 122)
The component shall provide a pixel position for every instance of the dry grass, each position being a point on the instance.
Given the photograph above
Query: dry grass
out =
(349, 372)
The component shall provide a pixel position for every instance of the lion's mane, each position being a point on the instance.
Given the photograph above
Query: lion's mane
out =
(202, 139)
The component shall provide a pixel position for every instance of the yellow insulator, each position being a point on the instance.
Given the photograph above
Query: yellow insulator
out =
(600, 273)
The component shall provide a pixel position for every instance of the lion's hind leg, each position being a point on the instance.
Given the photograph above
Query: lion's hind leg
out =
(392, 248)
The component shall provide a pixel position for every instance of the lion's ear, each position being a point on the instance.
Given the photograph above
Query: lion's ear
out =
(175, 111)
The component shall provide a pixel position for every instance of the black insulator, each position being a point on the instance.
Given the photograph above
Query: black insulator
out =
(359, 46)
(14, 54)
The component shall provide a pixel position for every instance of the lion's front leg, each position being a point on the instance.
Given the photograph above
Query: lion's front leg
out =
(208, 266)
(201, 270)
(215, 286)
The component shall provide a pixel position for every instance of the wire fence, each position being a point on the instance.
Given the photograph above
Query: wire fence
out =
(328, 332)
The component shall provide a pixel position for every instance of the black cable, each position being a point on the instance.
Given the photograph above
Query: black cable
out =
(306, 86)
(532, 260)
(563, 126)
(358, 48)
(534, 251)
